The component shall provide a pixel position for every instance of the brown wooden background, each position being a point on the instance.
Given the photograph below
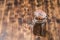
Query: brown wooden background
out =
(16, 15)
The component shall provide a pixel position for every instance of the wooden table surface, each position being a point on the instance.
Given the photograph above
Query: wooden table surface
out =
(16, 16)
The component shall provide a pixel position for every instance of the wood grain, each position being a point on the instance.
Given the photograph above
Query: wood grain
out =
(17, 15)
